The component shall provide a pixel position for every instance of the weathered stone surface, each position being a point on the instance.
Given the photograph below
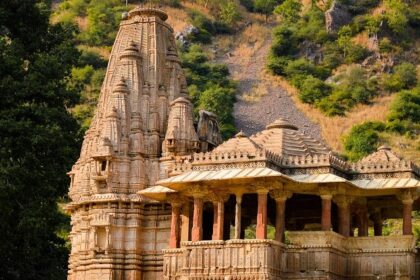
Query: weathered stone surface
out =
(142, 146)
(336, 17)
(143, 124)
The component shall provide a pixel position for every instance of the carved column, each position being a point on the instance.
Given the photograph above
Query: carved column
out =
(197, 229)
(281, 198)
(326, 212)
(238, 213)
(261, 231)
(175, 228)
(343, 203)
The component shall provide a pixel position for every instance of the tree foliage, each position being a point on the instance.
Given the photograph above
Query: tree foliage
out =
(362, 140)
(38, 141)
(210, 87)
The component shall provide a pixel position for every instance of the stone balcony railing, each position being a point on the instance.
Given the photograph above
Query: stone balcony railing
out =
(253, 259)
(311, 255)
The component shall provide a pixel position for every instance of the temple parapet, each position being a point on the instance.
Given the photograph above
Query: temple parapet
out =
(309, 255)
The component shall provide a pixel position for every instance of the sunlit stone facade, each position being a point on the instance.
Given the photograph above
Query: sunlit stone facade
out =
(156, 195)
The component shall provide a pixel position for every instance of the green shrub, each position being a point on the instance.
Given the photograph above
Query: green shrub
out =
(356, 53)
(82, 75)
(404, 77)
(312, 26)
(218, 100)
(303, 67)
(277, 64)
(352, 88)
(312, 90)
(91, 58)
(385, 45)
(229, 14)
(289, 10)
(265, 7)
(405, 110)
(103, 19)
(284, 43)
(362, 140)
(332, 55)
(396, 13)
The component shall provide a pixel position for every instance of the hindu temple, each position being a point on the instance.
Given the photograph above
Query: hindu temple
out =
(156, 193)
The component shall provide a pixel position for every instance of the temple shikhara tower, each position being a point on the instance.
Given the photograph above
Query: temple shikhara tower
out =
(156, 195)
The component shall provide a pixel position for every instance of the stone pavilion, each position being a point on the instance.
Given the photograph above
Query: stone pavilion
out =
(155, 193)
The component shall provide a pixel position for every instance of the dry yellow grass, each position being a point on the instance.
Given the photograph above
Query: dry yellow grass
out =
(256, 92)
(177, 18)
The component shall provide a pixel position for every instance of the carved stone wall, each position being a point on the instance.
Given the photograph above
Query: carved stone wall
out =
(311, 255)
(116, 233)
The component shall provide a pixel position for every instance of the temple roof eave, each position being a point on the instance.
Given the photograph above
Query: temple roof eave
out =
(216, 177)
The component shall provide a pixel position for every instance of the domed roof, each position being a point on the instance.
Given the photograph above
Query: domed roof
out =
(285, 139)
(383, 154)
(241, 142)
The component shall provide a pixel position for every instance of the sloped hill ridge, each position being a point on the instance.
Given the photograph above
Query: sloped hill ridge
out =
(253, 116)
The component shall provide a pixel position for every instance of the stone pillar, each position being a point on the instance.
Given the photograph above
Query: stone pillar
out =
(363, 222)
(261, 231)
(197, 229)
(218, 219)
(343, 203)
(377, 223)
(407, 199)
(215, 221)
(175, 228)
(238, 213)
(280, 197)
(326, 212)
(407, 221)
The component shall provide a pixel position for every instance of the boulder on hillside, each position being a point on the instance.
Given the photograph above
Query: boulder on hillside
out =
(336, 16)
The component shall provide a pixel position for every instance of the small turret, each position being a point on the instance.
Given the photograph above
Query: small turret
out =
(180, 138)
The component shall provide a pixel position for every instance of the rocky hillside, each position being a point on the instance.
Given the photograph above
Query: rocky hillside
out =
(343, 71)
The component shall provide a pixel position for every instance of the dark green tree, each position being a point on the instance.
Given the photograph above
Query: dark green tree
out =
(38, 139)
(265, 7)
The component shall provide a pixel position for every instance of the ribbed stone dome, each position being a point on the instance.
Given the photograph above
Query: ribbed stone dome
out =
(283, 138)
(241, 142)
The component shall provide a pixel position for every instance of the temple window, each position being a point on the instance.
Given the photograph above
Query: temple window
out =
(103, 165)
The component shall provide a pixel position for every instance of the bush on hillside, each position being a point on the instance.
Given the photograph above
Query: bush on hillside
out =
(289, 10)
(403, 77)
(295, 69)
(405, 111)
(353, 87)
(229, 13)
(277, 64)
(210, 87)
(362, 140)
(103, 19)
(91, 58)
(312, 90)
